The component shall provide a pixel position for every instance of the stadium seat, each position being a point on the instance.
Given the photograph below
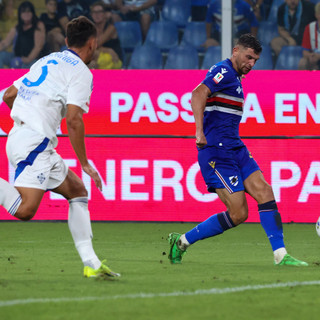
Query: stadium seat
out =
(265, 62)
(182, 57)
(129, 33)
(163, 34)
(211, 56)
(289, 58)
(267, 31)
(177, 11)
(195, 35)
(273, 14)
(146, 57)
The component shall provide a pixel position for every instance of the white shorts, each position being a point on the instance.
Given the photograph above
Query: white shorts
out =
(36, 163)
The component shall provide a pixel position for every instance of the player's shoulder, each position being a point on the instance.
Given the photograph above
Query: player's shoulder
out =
(221, 70)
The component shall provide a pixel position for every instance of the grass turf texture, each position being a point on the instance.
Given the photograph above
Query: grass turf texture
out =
(38, 261)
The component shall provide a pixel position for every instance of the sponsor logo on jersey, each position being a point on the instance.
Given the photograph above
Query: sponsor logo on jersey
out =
(212, 164)
(224, 70)
(239, 89)
(218, 77)
(234, 180)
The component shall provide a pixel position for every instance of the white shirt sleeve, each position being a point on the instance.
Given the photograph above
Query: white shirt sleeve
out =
(80, 89)
(18, 82)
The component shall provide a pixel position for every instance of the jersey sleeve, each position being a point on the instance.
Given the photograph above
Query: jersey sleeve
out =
(17, 83)
(80, 89)
(218, 78)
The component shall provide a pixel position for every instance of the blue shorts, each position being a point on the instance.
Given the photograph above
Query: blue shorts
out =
(227, 169)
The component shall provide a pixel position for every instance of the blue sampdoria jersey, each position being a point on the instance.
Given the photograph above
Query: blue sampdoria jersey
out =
(224, 106)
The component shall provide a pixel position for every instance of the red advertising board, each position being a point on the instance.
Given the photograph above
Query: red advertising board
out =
(157, 102)
(158, 179)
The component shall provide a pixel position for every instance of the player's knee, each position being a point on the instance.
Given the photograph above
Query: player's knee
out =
(239, 215)
(25, 213)
(79, 190)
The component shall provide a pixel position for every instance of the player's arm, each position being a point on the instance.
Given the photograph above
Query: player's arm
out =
(10, 95)
(75, 127)
(198, 103)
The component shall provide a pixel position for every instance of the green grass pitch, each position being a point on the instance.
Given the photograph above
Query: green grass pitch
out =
(227, 277)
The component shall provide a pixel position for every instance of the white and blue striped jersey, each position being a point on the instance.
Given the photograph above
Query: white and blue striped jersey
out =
(52, 83)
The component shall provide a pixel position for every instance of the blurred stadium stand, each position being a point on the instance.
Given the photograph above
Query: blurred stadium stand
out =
(146, 57)
(173, 29)
(182, 57)
(289, 58)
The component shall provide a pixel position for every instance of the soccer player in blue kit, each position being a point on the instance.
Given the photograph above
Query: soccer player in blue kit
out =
(226, 164)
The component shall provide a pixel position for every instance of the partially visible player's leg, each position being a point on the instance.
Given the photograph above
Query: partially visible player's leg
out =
(221, 176)
(236, 213)
(20, 202)
(270, 218)
(31, 199)
(26, 153)
(10, 197)
(73, 189)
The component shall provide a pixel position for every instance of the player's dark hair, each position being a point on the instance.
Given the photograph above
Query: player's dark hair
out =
(79, 31)
(250, 41)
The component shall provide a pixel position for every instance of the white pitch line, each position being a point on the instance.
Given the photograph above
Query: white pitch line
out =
(142, 295)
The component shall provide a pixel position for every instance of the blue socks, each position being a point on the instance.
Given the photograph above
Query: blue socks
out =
(213, 226)
(271, 222)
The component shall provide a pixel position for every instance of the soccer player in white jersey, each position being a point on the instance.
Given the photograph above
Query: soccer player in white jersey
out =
(57, 86)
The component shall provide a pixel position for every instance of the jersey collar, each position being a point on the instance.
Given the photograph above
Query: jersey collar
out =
(73, 52)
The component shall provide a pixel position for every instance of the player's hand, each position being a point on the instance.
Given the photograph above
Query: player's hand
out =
(201, 140)
(88, 169)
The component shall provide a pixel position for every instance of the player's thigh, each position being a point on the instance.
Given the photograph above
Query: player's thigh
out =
(258, 188)
(30, 201)
(71, 187)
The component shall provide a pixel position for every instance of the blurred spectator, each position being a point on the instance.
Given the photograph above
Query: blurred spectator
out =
(199, 10)
(28, 38)
(311, 44)
(293, 17)
(111, 4)
(244, 21)
(139, 10)
(8, 17)
(54, 34)
(258, 8)
(109, 53)
(69, 9)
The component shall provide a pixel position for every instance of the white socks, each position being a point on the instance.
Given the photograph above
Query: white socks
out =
(9, 197)
(80, 228)
(183, 243)
(279, 254)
